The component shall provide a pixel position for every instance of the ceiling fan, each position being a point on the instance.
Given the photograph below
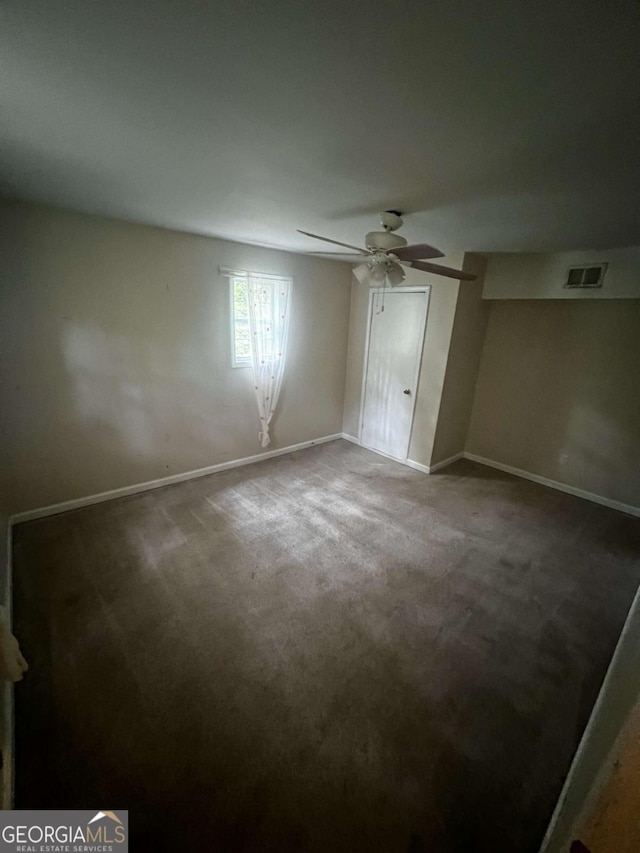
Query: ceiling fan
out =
(387, 253)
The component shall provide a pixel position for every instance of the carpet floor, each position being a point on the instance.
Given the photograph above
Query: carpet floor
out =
(326, 651)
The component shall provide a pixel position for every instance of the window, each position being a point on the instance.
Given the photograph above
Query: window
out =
(240, 339)
(259, 312)
(265, 305)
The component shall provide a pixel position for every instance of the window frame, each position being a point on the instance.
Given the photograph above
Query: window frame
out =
(235, 275)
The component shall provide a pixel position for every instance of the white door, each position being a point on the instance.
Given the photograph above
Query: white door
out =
(397, 320)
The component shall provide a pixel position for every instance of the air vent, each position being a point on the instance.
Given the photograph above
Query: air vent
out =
(586, 275)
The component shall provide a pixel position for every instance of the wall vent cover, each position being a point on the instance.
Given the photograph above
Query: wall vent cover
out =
(586, 275)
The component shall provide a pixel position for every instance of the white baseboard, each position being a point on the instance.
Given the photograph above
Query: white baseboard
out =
(351, 438)
(417, 465)
(125, 491)
(517, 472)
(445, 462)
(409, 462)
(554, 484)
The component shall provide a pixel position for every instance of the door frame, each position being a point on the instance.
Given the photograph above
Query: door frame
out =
(425, 288)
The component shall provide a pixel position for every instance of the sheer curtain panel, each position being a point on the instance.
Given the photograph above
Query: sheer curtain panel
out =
(268, 302)
(269, 330)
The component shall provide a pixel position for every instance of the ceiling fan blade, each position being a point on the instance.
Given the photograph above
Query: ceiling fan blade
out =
(335, 242)
(440, 270)
(334, 254)
(419, 251)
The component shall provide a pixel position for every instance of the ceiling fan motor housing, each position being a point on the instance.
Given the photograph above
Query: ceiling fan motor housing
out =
(383, 240)
(390, 220)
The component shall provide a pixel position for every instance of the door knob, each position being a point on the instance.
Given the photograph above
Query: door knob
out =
(406, 391)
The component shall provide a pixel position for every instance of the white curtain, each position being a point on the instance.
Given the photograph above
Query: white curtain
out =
(268, 327)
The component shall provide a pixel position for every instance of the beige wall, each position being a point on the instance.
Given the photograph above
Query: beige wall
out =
(442, 307)
(355, 356)
(558, 393)
(437, 340)
(467, 338)
(116, 354)
(542, 276)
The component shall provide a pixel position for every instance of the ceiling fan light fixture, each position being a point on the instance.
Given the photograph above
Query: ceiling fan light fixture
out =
(378, 273)
(385, 252)
(395, 275)
(363, 273)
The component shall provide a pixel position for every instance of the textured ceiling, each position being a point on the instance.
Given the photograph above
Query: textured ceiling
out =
(494, 126)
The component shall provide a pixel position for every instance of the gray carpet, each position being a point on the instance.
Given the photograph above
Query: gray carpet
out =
(327, 651)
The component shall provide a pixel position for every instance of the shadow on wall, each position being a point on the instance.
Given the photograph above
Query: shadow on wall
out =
(123, 389)
(557, 390)
(112, 386)
(113, 415)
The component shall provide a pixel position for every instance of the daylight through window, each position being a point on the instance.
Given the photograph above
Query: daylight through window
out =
(241, 342)
(264, 292)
